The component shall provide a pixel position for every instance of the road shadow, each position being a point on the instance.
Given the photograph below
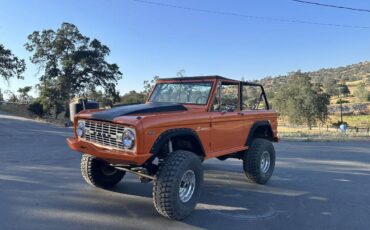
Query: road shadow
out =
(309, 191)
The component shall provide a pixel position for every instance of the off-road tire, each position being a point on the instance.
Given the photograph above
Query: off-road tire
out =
(252, 161)
(92, 172)
(166, 197)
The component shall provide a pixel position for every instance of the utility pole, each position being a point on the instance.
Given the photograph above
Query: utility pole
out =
(340, 102)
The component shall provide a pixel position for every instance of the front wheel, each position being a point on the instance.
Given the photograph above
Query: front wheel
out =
(259, 161)
(99, 173)
(178, 185)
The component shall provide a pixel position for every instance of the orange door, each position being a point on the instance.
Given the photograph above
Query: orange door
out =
(228, 130)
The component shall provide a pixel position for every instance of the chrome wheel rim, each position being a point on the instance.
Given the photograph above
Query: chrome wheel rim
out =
(187, 186)
(265, 162)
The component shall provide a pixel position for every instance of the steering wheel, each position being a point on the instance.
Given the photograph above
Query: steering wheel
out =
(229, 107)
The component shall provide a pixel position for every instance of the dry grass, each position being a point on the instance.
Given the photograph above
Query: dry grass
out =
(327, 134)
(354, 83)
(355, 121)
(351, 99)
(320, 134)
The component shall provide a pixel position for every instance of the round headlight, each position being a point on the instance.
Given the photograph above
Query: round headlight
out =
(128, 139)
(80, 129)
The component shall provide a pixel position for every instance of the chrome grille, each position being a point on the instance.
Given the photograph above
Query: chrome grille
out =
(104, 133)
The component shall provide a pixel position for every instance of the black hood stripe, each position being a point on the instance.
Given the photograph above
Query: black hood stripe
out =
(110, 114)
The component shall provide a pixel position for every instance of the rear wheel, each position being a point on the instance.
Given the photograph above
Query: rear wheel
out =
(259, 161)
(177, 188)
(99, 173)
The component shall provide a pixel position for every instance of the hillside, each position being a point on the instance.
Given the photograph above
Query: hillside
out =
(351, 75)
(348, 73)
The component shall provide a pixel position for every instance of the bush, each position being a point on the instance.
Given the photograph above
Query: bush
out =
(36, 108)
(340, 101)
(67, 112)
(337, 124)
(361, 92)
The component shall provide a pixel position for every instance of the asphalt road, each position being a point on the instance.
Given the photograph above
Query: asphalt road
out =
(315, 186)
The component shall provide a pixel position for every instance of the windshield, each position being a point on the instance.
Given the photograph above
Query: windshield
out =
(184, 93)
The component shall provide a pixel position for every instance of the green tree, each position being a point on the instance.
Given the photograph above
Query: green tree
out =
(1, 96)
(298, 102)
(181, 73)
(133, 97)
(317, 87)
(71, 64)
(36, 108)
(361, 92)
(148, 85)
(104, 99)
(11, 96)
(112, 94)
(94, 94)
(331, 87)
(23, 93)
(344, 90)
(340, 101)
(51, 97)
(367, 81)
(270, 94)
(10, 65)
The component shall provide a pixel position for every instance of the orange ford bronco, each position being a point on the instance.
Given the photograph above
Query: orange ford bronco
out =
(184, 122)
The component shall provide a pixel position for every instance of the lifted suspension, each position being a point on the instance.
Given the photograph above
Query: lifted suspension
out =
(141, 172)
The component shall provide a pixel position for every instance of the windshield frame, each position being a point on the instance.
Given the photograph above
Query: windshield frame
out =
(182, 82)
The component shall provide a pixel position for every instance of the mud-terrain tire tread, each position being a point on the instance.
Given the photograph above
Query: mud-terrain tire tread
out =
(165, 192)
(91, 173)
(251, 161)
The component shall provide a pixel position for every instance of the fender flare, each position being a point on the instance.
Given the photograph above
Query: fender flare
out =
(255, 126)
(170, 133)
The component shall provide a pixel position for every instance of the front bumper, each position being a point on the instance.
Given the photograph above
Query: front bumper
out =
(108, 154)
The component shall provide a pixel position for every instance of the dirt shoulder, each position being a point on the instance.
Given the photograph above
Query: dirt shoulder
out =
(19, 112)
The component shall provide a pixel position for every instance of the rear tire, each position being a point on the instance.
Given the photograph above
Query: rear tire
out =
(259, 161)
(99, 173)
(178, 185)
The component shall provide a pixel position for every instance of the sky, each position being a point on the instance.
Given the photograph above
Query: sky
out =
(148, 40)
